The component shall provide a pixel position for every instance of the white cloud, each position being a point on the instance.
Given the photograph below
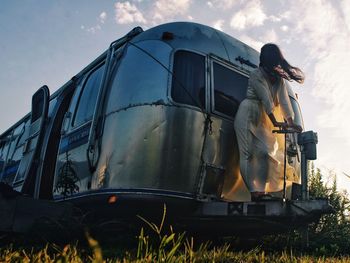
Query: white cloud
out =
(275, 18)
(127, 13)
(222, 4)
(251, 15)
(166, 10)
(270, 36)
(284, 28)
(159, 11)
(321, 29)
(103, 17)
(256, 44)
(218, 24)
(93, 29)
(345, 6)
(318, 22)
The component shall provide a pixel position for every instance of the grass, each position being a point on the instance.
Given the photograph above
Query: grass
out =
(156, 245)
(175, 250)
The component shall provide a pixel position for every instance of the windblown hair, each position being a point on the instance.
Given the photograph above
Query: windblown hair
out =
(273, 62)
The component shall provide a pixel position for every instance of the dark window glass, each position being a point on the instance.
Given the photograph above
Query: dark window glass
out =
(230, 89)
(297, 113)
(23, 133)
(88, 97)
(3, 154)
(12, 165)
(12, 149)
(52, 105)
(38, 104)
(189, 79)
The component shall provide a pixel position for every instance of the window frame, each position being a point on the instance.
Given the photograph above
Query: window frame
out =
(293, 99)
(206, 81)
(7, 144)
(80, 91)
(229, 66)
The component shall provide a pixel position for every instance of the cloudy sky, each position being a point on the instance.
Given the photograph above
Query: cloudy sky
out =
(47, 42)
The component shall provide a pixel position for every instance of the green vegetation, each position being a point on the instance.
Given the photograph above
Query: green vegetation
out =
(329, 241)
(172, 248)
(222, 254)
(331, 235)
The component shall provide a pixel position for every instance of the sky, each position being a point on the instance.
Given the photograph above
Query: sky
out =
(48, 42)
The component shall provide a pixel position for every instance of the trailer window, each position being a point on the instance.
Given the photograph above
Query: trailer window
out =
(297, 113)
(88, 97)
(188, 85)
(230, 89)
(3, 153)
(12, 166)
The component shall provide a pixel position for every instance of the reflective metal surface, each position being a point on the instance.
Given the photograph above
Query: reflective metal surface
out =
(150, 142)
(156, 147)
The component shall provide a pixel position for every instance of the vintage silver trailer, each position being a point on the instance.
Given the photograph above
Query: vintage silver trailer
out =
(149, 122)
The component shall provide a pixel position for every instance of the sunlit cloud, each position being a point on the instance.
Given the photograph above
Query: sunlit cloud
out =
(284, 28)
(274, 18)
(158, 12)
(93, 29)
(103, 17)
(321, 26)
(251, 15)
(166, 10)
(270, 36)
(316, 24)
(256, 44)
(190, 18)
(127, 13)
(218, 24)
(345, 7)
(222, 4)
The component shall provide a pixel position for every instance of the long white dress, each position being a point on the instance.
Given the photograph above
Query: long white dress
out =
(257, 144)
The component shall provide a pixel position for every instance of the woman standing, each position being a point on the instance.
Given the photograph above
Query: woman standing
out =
(256, 116)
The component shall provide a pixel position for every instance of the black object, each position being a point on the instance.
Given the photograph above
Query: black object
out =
(308, 140)
(7, 191)
(167, 36)
(245, 61)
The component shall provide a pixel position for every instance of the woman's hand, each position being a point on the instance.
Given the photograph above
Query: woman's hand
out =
(282, 125)
(296, 127)
(293, 125)
(285, 125)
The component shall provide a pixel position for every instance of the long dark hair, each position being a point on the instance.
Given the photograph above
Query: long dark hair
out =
(273, 62)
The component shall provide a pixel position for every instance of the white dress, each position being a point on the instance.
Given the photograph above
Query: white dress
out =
(260, 159)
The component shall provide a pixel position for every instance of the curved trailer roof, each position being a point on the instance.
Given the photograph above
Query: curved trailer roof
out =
(184, 35)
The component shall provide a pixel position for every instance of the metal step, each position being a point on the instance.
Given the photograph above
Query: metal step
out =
(266, 208)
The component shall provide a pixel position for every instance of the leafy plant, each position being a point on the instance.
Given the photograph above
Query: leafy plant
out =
(67, 183)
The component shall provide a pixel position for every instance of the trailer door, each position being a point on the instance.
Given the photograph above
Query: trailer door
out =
(26, 174)
(227, 88)
(72, 174)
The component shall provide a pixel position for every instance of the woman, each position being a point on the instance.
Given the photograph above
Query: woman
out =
(256, 117)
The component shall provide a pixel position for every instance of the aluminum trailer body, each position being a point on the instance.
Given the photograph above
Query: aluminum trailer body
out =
(149, 122)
